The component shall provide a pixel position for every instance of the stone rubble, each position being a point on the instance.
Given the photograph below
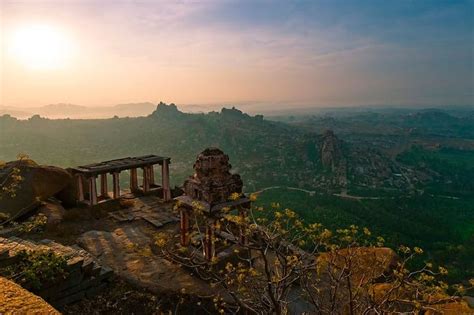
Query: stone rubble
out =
(86, 277)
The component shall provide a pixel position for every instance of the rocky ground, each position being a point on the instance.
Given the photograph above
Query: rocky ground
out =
(16, 300)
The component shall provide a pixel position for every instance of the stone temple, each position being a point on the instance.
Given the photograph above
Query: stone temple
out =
(212, 181)
(211, 186)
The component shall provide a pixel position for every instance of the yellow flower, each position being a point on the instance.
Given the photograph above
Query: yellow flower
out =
(234, 196)
(443, 270)
(418, 250)
(290, 213)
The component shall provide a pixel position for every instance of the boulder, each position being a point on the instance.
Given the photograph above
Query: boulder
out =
(451, 308)
(16, 300)
(68, 195)
(39, 182)
(368, 264)
(53, 211)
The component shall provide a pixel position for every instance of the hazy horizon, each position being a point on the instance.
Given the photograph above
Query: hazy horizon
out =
(262, 55)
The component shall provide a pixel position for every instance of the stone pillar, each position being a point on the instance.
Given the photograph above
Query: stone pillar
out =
(133, 180)
(146, 179)
(104, 191)
(209, 246)
(151, 175)
(184, 226)
(80, 188)
(165, 177)
(116, 184)
(92, 191)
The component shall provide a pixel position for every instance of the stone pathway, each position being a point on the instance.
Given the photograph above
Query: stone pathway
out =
(149, 208)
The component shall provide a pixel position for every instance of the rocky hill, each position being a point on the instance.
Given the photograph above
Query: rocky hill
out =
(265, 152)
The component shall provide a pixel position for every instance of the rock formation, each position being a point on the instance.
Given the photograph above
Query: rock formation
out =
(331, 153)
(16, 300)
(368, 264)
(85, 276)
(38, 183)
(167, 111)
(137, 265)
(212, 182)
(53, 211)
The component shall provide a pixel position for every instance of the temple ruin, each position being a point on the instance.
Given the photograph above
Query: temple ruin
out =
(211, 187)
(86, 177)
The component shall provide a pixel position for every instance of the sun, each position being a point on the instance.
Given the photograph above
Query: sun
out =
(40, 47)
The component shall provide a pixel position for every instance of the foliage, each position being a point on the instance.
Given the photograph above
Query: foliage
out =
(34, 269)
(12, 178)
(441, 226)
(276, 262)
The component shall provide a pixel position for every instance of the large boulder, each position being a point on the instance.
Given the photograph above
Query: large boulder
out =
(367, 264)
(38, 183)
(16, 300)
(53, 211)
(450, 308)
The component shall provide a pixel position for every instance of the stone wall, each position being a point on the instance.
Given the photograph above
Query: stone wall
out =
(85, 276)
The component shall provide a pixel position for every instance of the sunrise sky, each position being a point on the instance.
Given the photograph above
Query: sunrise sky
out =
(278, 53)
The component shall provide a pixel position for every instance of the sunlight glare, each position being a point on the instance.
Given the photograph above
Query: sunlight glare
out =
(40, 47)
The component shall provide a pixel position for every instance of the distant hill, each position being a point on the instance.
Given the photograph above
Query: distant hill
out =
(72, 111)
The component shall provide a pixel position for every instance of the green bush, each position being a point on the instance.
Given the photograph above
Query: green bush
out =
(36, 268)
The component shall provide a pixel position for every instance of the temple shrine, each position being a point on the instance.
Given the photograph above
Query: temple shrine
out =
(86, 177)
(211, 187)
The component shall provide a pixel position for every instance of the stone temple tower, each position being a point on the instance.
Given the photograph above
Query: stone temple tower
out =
(212, 181)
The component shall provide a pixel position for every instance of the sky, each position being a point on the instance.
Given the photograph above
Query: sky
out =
(278, 54)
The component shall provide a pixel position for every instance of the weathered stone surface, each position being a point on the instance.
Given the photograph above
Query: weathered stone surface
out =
(83, 272)
(452, 308)
(68, 195)
(368, 263)
(39, 183)
(16, 300)
(331, 153)
(127, 252)
(469, 300)
(54, 212)
(148, 208)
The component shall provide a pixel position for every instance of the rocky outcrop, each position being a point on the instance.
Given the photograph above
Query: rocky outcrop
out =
(85, 277)
(128, 252)
(38, 183)
(16, 300)
(368, 264)
(167, 111)
(53, 211)
(331, 152)
(452, 308)
(333, 160)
